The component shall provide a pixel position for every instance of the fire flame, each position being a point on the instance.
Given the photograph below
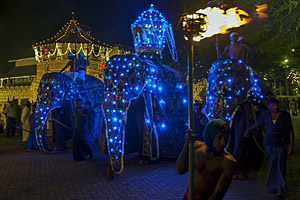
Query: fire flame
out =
(219, 21)
(260, 11)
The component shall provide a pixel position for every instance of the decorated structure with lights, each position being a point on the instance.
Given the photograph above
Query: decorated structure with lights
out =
(162, 91)
(51, 55)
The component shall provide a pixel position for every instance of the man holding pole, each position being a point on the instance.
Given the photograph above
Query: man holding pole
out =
(213, 166)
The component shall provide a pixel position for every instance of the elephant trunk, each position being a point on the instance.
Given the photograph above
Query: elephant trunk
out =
(124, 80)
(41, 116)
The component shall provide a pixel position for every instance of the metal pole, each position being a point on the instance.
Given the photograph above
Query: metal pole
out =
(286, 83)
(74, 62)
(191, 119)
(60, 123)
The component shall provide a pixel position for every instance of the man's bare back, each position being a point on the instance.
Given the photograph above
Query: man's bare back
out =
(236, 51)
(213, 166)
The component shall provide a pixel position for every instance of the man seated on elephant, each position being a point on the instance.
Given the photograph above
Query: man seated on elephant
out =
(82, 64)
(235, 50)
(71, 63)
(213, 167)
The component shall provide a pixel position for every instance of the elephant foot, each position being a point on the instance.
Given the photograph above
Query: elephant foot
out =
(48, 148)
(110, 173)
(110, 176)
(241, 177)
(143, 162)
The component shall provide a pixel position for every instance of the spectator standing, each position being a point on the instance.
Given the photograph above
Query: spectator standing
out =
(18, 111)
(294, 107)
(31, 142)
(25, 121)
(11, 116)
(81, 146)
(88, 107)
(200, 120)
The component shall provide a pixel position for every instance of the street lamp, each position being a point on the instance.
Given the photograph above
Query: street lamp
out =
(193, 27)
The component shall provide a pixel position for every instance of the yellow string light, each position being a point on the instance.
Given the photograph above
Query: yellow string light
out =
(199, 87)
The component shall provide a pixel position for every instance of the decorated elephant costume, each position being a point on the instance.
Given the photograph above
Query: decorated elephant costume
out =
(236, 95)
(58, 91)
(160, 91)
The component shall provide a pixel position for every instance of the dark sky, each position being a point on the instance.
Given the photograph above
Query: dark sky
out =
(24, 22)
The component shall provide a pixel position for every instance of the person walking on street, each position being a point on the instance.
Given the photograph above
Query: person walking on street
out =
(279, 142)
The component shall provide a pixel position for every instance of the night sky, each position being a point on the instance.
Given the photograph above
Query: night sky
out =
(24, 22)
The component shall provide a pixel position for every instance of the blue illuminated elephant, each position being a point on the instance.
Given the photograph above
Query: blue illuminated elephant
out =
(145, 103)
(161, 117)
(58, 92)
(237, 95)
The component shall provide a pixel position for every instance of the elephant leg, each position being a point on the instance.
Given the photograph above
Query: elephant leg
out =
(45, 140)
(110, 173)
(240, 147)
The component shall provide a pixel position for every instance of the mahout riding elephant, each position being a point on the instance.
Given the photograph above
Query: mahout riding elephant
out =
(57, 93)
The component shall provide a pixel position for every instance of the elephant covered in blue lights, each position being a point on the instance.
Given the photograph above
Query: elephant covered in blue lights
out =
(145, 101)
(237, 95)
(58, 92)
(161, 117)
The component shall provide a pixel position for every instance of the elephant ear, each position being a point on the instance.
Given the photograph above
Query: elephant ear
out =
(124, 78)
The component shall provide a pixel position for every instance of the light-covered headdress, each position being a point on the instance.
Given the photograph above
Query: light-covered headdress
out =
(151, 32)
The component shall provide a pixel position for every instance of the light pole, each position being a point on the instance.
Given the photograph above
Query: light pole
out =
(193, 26)
(286, 81)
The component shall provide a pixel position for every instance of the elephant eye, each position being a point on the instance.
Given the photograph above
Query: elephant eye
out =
(52, 94)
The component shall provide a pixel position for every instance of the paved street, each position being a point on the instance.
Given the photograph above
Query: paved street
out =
(36, 175)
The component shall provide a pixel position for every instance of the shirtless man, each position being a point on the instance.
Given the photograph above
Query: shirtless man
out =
(235, 50)
(213, 167)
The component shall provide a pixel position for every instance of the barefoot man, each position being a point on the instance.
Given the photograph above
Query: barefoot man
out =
(214, 167)
(279, 142)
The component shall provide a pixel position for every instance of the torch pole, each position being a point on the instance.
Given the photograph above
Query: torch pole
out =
(191, 119)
